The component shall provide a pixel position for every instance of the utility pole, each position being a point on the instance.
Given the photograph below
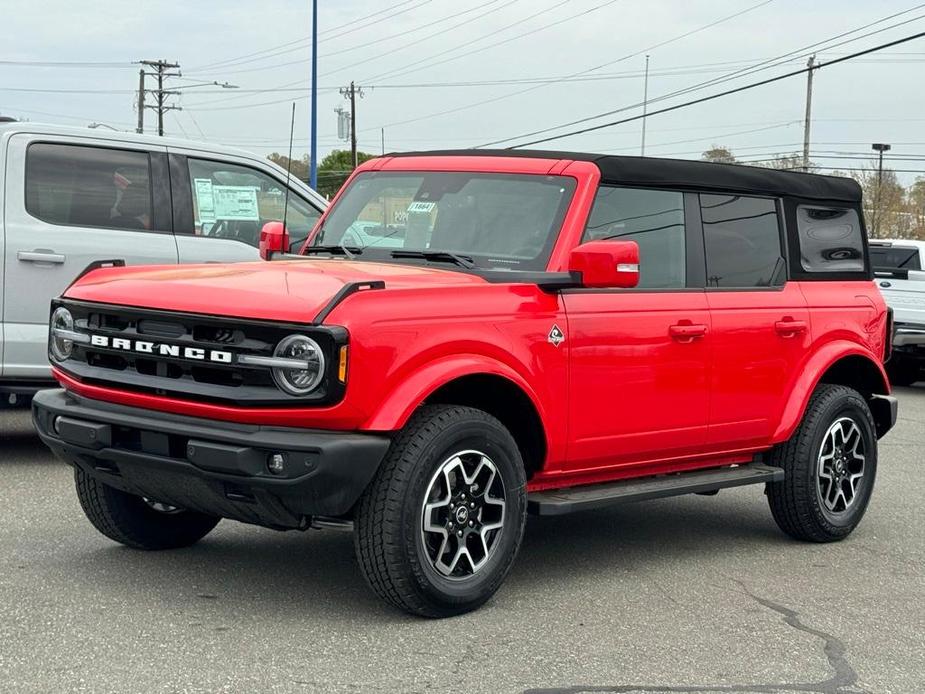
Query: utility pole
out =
(383, 141)
(313, 155)
(809, 108)
(645, 106)
(160, 70)
(141, 102)
(879, 148)
(351, 94)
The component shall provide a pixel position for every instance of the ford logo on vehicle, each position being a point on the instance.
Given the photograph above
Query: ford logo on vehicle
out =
(160, 349)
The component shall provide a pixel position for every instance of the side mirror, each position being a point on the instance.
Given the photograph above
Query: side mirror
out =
(606, 264)
(273, 239)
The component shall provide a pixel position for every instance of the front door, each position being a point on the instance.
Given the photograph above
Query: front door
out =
(639, 359)
(79, 201)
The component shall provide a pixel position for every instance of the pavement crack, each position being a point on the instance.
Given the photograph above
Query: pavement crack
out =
(842, 681)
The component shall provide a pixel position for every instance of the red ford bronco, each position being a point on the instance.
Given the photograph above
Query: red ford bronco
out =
(468, 337)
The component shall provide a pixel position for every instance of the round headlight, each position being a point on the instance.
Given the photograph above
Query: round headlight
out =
(299, 380)
(61, 319)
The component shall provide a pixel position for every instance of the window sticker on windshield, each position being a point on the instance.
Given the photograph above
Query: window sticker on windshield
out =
(420, 206)
(235, 202)
(204, 200)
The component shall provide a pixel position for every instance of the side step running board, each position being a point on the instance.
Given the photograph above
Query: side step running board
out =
(556, 502)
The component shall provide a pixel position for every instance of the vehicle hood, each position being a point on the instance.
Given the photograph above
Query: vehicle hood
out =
(283, 290)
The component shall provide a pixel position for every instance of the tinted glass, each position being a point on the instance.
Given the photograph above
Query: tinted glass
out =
(895, 258)
(88, 186)
(742, 241)
(654, 219)
(234, 202)
(500, 221)
(830, 239)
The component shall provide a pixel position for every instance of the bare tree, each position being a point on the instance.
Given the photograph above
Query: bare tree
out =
(719, 155)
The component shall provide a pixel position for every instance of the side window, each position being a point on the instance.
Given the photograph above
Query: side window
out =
(234, 202)
(830, 239)
(741, 238)
(654, 219)
(888, 258)
(75, 185)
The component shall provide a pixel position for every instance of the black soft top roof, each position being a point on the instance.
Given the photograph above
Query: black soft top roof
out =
(685, 173)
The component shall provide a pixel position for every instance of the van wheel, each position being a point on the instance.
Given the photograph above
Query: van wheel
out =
(137, 522)
(903, 371)
(438, 529)
(830, 464)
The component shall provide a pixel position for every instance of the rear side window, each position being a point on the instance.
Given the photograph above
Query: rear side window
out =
(742, 241)
(95, 187)
(830, 239)
(654, 219)
(895, 258)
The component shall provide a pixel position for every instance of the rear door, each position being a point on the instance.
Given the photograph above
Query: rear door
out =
(220, 205)
(70, 202)
(639, 359)
(760, 319)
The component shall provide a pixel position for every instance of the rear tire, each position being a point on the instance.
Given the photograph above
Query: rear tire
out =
(830, 464)
(134, 522)
(438, 529)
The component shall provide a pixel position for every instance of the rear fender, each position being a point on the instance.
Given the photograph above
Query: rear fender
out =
(813, 371)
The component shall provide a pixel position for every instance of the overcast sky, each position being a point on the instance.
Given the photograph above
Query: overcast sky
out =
(266, 46)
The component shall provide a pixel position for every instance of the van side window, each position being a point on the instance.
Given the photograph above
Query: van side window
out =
(234, 202)
(830, 239)
(654, 219)
(742, 241)
(75, 185)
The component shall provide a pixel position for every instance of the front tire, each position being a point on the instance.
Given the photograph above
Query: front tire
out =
(438, 529)
(830, 464)
(136, 522)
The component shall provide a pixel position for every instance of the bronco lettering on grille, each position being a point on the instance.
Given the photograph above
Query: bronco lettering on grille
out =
(161, 349)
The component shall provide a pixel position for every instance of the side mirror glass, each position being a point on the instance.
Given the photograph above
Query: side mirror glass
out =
(606, 264)
(273, 239)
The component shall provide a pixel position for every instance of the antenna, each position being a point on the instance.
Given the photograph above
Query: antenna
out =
(288, 169)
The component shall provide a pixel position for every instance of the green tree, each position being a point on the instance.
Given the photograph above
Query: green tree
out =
(335, 168)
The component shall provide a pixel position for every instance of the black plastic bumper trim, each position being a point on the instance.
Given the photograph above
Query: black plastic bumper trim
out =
(212, 467)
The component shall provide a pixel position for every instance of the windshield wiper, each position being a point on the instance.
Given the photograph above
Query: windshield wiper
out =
(348, 251)
(439, 256)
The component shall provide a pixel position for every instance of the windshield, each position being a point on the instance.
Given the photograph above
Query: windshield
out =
(895, 258)
(494, 221)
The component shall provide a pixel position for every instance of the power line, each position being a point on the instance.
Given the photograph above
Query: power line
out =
(728, 92)
(758, 67)
(83, 65)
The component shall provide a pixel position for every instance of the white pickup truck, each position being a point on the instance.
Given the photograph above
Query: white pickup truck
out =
(898, 266)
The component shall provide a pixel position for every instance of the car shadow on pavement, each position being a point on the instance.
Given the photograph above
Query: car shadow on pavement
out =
(297, 575)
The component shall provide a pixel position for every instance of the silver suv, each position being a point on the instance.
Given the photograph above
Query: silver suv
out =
(73, 197)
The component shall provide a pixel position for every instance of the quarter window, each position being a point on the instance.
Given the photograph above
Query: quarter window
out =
(830, 239)
(234, 202)
(654, 219)
(742, 241)
(75, 185)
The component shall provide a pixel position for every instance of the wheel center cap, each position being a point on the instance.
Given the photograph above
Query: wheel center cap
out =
(462, 514)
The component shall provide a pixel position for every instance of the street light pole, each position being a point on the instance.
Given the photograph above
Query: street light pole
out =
(313, 156)
(880, 148)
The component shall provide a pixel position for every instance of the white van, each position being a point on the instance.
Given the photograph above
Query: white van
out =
(74, 197)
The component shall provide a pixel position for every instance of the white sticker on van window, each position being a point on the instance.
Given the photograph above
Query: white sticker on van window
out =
(204, 201)
(420, 206)
(235, 202)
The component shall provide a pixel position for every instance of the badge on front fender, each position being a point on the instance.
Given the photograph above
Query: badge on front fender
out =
(556, 337)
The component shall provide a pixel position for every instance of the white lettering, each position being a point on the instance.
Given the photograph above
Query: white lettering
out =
(121, 343)
(146, 347)
(168, 350)
(194, 353)
(223, 357)
(99, 341)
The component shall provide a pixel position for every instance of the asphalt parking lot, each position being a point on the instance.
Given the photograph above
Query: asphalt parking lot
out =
(694, 594)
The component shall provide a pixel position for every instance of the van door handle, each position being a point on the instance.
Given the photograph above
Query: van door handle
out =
(687, 332)
(40, 256)
(790, 327)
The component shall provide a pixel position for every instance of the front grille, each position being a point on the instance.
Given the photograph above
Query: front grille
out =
(172, 374)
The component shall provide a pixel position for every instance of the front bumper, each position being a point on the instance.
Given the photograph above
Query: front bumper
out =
(908, 334)
(218, 468)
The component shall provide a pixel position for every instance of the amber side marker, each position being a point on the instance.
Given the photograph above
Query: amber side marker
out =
(342, 365)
